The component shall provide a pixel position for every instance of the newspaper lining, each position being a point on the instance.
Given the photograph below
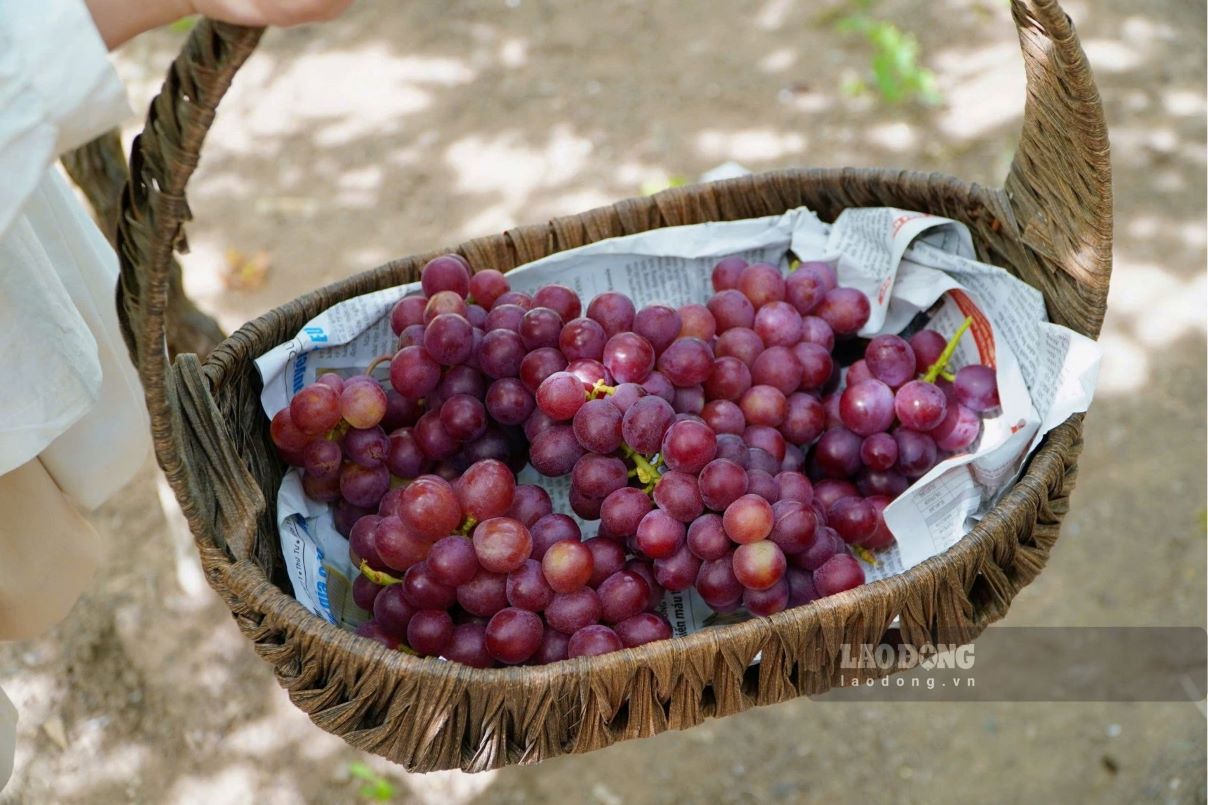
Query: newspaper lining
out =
(916, 269)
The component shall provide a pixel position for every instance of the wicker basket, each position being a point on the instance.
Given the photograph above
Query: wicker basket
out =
(1051, 224)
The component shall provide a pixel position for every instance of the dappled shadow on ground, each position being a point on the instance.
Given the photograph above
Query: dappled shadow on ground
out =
(401, 128)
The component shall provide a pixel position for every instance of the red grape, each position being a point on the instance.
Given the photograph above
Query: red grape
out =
(513, 635)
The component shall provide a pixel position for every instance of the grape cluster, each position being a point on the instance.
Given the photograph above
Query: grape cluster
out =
(719, 446)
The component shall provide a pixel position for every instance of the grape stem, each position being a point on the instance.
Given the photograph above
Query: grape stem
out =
(939, 368)
(600, 390)
(378, 577)
(647, 473)
(467, 525)
(373, 364)
(865, 555)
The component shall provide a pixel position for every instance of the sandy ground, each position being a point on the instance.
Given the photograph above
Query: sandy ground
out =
(403, 127)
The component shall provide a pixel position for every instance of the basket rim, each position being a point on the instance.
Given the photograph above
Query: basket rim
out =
(246, 577)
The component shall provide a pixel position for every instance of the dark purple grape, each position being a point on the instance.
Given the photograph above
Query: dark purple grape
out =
(562, 300)
(730, 446)
(598, 476)
(879, 451)
(484, 595)
(887, 483)
(854, 519)
(451, 561)
(468, 646)
(829, 490)
(463, 417)
(429, 632)
(677, 494)
(678, 571)
(827, 543)
(449, 339)
(391, 610)
(801, 586)
(763, 484)
(840, 572)
(976, 388)
(553, 648)
(570, 612)
(645, 423)
(362, 544)
(527, 587)
(622, 595)
(592, 641)
(365, 592)
(623, 510)
(767, 602)
(582, 338)
(513, 635)
(529, 504)
(816, 364)
(717, 584)
(805, 419)
(689, 401)
(867, 407)
(795, 528)
(721, 482)
(374, 631)
(607, 557)
(550, 529)
(613, 311)
(509, 402)
(597, 426)
(364, 486)
(838, 453)
(916, 452)
(555, 451)
(585, 506)
(423, 591)
(687, 362)
(846, 310)
(322, 459)
(658, 324)
(501, 353)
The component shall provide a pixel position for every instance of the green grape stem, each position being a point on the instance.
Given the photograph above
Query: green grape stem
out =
(646, 472)
(467, 525)
(601, 390)
(939, 368)
(377, 576)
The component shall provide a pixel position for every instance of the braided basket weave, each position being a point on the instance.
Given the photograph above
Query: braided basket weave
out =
(1051, 224)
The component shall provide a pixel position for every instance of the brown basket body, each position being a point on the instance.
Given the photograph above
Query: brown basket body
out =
(1050, 224)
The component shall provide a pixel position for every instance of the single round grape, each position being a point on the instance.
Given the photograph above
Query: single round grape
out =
(527, 587)
(367, 447)
(463, 417)
(553, 648)
(322, 459)
(764, 405)
(645, 568)
(412, 336)
(729, 378)
(678, 571)
(723, 416)
(730, 309)
(881, 536)
(589, 373)
(761, 283)
(315, 409)
(677, 494)
(816, 364)
(362, 541)
(529, 504)
(659, 534)
(697, 322)
(375, 632)
(462, 380)
(657, 384)
(429, 631)
(613, 311)
(748, 519)
(449, 272)
(560, 299)
(829, 490)
(363, 404)
(468, 646)
(607, 557)
(888, 483)
(645, 422)
(688, 401)
(816, 331)
(927, 346)
(541, 364)
(920, 405)
(518, 298)
(584, 506)
(759, 565)
(287, 436)
(762, 484)
(840, 572)
(801, 586)
(445, 302)
(707, 538)
(777, 367)
(807, 284)
(795, 528)
(540, 328)
(854, 519)
(867, 407)
(509, 402)
(504, 317)
(643, 628)
(451, 561)
(423, 591)
(550, 529)
(879, 451)
(976, 388)
(717, 584)
(449, 339)
(959, 429)
(560, 395)
(726, 273)
(628, 357)
(436, 442)
(721, 482)
(570, 612)
(688, 446)
(407, 311)
(486, 286)
(486, 489)
(804, 420)
(626, 394)
(364, 486)
(890, 359)
(365, 593)
(413, 372)
(838, 453)
(431, 508)
(598, 476)
(501, 354)
(794, 486)
(658, 324)
(916, 452)
(513, 635)
(483, 595)
(687, 362)
(582, 338)
(768, 601)
(502, 544)
(827, 543)
(769, 440)
(555, 452)
(391, 609)
(597, 426)
(622, 595)
(730, 446)
(592, 641)
(623, 510)
(740, 343)
(778, 324)
(846, 310)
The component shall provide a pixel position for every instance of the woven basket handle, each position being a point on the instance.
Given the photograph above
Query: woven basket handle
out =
(1058, 198)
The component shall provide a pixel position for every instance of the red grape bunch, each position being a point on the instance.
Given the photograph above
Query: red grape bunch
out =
(719, 446)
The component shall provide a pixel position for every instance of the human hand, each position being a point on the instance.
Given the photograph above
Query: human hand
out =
(121, 20)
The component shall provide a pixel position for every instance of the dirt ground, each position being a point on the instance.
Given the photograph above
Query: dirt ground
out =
(403, 127)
